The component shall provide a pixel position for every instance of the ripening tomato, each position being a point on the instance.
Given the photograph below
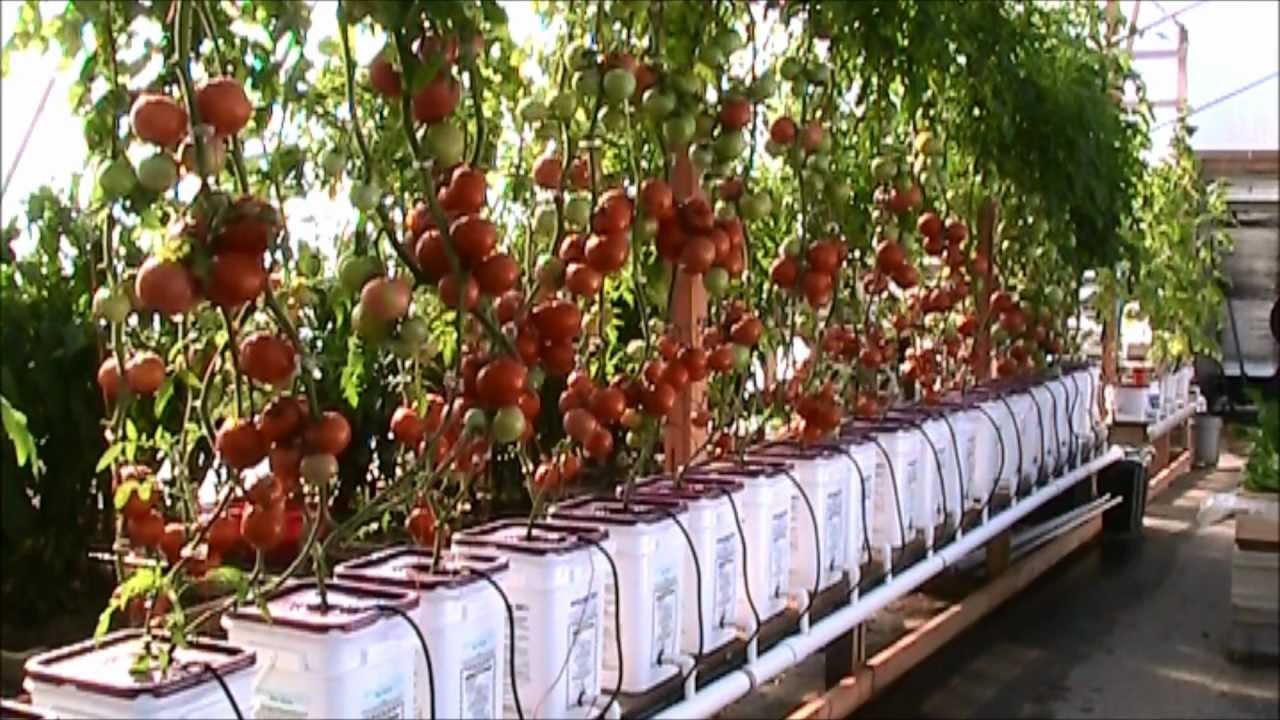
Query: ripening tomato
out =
(384, 78)
(579, 424)
(466, 191)
(607, 253)
(658, 399)
(240, 445)
(656, 199)
(783, 131)
(747, 331)
(222, 103)
(144, 373)
(437, 99)
(158, 119)
(329, 435)
(474, 238)
(166, 286)
(146, 529)
(455, 292)
(582, 280)
(421, 525)
(735, 113)
(262, 527)
(557, 320)
(600, 444)
(235, 278)
(548, 171)
(501, 381)
(496, 275)
(268, 358)
(172, 540)
(546, 477)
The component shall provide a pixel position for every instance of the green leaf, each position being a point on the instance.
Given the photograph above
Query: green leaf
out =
(109, 457)
(163, 395)
(24, 445)
(124, 492)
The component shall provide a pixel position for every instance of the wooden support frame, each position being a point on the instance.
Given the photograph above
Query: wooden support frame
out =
(890, 664)
(688, 314)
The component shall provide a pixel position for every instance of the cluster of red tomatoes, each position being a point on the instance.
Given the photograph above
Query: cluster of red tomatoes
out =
(815, 275)
(691, 236)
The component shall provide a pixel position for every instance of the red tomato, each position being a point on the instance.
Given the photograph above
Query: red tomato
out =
(240, 445)
(268, 358)
(329, 435)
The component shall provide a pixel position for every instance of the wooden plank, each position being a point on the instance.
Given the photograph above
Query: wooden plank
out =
(688, 311)
(998, 550)
(1166, 476)
(896, 660)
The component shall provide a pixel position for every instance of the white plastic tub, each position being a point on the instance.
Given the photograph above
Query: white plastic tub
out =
(967, 422)
(92, 680)
(1029, 427)
(1044, 421)
(863, 458)
(462, 618)
(717, 579)
(824, 477)
(650, 588)
(352, 660)
(1060, 391)
(765, 511)
(557, 582)
(14, 710)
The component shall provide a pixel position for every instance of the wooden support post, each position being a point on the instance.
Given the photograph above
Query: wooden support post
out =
(688, 313)
(998, 550)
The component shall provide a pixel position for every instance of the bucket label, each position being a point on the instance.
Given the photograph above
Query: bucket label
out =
(779, 555)
(884, 510)
(478, 678)
(724, 594)
(275, 704)
(665, 627)
(583, 681)
(385, 702)
(834, 541)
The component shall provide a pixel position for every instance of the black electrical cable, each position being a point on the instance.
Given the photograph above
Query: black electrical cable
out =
(1017, 435)
(746, 577)
(866, 531)
(617, 624)
(431, 679)
(1074, 445)
(511, 631)
(960, 485)
(897, 499)
(1057, 437)
(937, 461)
(1039, 423)
(817, 539)
(697, 580)
(222, 683)
(995, 482)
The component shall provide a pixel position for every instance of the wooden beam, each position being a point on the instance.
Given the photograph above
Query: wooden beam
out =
(1182, 67)
(688, 313)
(983, 284)
(1174, 470)
(898, 659)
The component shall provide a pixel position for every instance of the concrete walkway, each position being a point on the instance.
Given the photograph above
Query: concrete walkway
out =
(1135, 631)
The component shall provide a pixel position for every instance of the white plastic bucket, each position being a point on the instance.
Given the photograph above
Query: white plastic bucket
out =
(863, 459)
(823, 478)
(897, 475)
(1007, 438)
(1044, 423)
(717, 579)
(92, 680)
(462, 618)
(1029, 428)
(557, 582)
(1060, 391)
(14, 710)
(649, 591)
(353, 660)
(765, 511)
(947, 438)
(967, 424)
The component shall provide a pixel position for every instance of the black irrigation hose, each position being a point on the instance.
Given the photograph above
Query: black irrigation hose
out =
(995, 482)
(937, 461)
(222, 683)
(431, 677)
(617, 624)
(1057, 436)
(1017, 435)
(866, 531)
(746, 578)
(817, 539)
(511, 630)
(1074, 445)
(897, 500)
(1040, 423)
(697, 579)
(862, 480)
(955, 446)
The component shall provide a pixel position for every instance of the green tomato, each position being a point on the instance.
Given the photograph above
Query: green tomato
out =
(689, 84)
(741, 357)
(679, 129)
(544, 221)
(158, 173)
(533, 111)
(729, 41)
(429, 349)
(816, 181)
(446, 143)
(535, 377)
(658, 104)
(550, 271)
(635, 349)
(619, 85)
(883, 168)
(711, 55)
(716, 281)
(799, 85)
(730, 145)
(704, 124)
(114, 307)
(819, 162)
(475, 421)
(792, 248)
(546, 132)
(819, 73)
(564, 105)
(824, 145)
(726, 211)
(364, 196)
(657, 278)
(401, 349)
(755, 206)
(790, 69)
(373, 330)
(355, 270)
(839, 191)
(508, 425)
(764, 86)
(309, 263)
(1054, 297)
(615, 120)
(415, 331)
(587, 82)
(573, 53)
(890, 232)
(926, 143)
(117, 179)
(775, 149)
(333, 163)
(577, 212)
